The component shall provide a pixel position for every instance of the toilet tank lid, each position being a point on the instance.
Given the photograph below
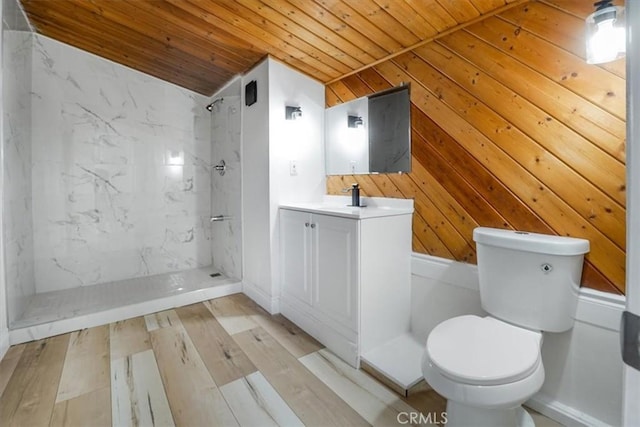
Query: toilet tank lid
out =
(531, 242)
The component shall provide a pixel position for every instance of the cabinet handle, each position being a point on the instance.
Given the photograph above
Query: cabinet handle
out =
(313, 226)
(306, 224)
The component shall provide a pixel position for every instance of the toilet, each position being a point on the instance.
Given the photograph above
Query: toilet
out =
(487, 367)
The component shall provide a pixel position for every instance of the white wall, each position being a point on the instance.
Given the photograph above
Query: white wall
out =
(631, 409)
(255, 189)
(17, 231)
(270, 143)
(300, 141)
(583, 384)
(4, 331)
(17, 160)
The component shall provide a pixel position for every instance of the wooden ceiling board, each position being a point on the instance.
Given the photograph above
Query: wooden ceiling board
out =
(174, 23)
(579, 8)
(338, 28)
(593, 204)
(165, 66)
(202, 44)
(460, 10)
(132, 20)
(321, 29)
(511, 129)
(569, 36)
(413, 21)
(599, 126)
(389, 23)
(289, 35)
(352, 18)
(485, 6)
(433, 13)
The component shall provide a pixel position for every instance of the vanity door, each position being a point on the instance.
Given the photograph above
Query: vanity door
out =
(335, 268)
(295, 250)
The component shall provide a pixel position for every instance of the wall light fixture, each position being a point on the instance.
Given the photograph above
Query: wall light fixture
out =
(355, 122)
(292, 113)
(605, 33)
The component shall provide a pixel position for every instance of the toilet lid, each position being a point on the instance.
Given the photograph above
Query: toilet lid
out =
(483, 350)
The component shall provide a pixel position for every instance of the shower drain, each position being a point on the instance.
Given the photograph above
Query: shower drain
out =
(215, 274)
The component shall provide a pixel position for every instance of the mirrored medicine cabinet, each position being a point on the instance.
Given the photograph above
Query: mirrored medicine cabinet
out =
(370, 135)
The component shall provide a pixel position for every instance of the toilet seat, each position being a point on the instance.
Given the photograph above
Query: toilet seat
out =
(483, 350)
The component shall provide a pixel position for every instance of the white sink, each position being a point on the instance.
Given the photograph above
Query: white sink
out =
(339, 206)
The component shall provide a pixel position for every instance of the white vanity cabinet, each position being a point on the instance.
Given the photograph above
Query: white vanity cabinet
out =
(295, 255)
(345, 274)
(319, 256)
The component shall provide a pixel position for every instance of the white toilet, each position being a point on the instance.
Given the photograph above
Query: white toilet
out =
(486, 367)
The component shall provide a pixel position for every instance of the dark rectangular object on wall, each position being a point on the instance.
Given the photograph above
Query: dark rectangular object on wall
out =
(390, 131)
(251, 93)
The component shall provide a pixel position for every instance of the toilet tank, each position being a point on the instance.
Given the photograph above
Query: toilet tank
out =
(530, 279)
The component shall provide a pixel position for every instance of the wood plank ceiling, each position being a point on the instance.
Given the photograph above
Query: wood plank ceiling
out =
(202, 44)
(511, 128)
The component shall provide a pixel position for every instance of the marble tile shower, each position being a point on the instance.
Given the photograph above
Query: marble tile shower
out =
(108, 173)
(121, 172)
(16, 154)
(225, 188)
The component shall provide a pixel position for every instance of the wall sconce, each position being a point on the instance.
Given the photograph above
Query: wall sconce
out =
(355, 122)
(605, 33)
(292, 113)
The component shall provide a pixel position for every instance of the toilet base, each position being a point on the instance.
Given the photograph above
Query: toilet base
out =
(460, 415)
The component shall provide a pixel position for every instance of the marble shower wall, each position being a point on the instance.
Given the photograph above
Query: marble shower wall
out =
(121, 171)
(225, 191)
(16, 169)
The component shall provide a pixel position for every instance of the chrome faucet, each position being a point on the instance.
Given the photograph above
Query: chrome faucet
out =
(355, 194)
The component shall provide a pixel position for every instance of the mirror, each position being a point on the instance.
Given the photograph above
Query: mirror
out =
(371, 134)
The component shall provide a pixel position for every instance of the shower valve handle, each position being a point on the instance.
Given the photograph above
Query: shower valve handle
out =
(221, 167)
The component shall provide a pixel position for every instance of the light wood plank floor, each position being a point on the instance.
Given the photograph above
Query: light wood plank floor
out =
(222, 362)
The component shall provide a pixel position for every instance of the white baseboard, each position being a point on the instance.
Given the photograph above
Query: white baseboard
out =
(562, 413)
(445, 270)
(600, 309)
(264, 300)
(4, 342)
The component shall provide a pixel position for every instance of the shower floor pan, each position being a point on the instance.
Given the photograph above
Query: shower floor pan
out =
(53, 313)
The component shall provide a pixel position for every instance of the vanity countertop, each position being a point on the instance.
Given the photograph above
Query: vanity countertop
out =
(338, 206)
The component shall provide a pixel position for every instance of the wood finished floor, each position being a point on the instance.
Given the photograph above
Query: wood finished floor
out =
(222, 362)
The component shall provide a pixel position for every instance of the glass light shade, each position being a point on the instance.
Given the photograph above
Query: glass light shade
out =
(605, 35)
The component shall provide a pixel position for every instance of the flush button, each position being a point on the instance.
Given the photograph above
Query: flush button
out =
(547, 268)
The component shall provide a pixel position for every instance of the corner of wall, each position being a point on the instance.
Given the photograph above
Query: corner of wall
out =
(259, 296)
(4, 341)
(4, 330)
(255, 182)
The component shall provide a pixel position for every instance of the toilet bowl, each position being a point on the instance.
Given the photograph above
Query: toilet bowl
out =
(485, 368)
